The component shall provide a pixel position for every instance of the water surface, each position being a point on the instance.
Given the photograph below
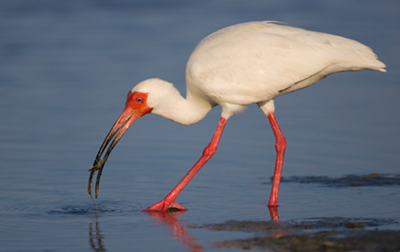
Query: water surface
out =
(65, 69)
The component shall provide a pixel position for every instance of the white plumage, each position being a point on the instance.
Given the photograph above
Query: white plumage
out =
(255, 62)
(237, 66)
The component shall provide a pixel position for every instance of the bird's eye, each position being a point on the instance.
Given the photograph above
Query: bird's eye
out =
(139, 99)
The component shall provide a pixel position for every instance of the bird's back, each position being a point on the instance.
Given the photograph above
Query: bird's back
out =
(256, 61)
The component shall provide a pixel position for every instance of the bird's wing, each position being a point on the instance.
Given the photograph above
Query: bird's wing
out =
(260, 64)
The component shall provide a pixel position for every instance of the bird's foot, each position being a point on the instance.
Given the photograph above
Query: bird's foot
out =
(164, 206)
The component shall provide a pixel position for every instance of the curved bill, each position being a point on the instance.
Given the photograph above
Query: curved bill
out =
(128, 116)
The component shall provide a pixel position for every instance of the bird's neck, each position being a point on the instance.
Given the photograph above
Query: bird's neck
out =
(184, 111)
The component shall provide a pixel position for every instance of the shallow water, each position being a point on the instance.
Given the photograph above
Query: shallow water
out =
(65, 69)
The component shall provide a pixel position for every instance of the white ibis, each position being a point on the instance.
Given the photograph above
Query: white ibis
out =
(236, 66)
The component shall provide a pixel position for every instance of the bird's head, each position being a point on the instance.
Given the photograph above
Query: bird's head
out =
(136, 106)
(149, 96)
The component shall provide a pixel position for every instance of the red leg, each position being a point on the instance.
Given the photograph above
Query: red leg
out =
(280, 146)
(168, 201)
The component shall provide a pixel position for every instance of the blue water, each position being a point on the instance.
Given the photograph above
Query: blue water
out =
(65, 69)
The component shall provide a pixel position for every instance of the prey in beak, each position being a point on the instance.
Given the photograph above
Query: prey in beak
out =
(135, 107)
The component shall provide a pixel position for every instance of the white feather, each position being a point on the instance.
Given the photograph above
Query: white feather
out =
(253, 63)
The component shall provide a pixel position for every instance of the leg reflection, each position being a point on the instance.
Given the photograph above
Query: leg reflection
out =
(273, 212)
(177, 228)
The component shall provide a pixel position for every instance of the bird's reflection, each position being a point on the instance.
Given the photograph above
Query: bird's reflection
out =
(95, 236)
(176, 228)
(178, 232)
(273, 213)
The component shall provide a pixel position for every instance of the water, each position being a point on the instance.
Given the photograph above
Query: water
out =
(66, 68)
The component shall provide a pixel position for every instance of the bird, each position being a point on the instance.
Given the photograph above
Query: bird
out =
(236, 66)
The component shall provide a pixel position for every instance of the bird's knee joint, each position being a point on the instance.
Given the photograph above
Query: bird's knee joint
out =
(209, 151)
(280, 144)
